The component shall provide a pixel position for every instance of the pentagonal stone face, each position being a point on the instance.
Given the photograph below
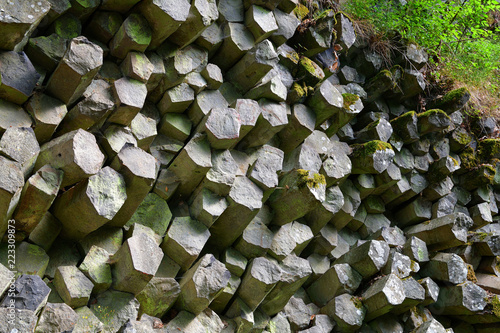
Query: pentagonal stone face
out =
(184, 250)
(90, 204)
(223, 128)
(18, 77)
(347, 311)
(202, 283)
(75, 72)
(137, 66)
(164, 17)
(260, 277)
(76, 153)
(213, 75)
(176, 99)
(20, 145)
(130, 96)
(95, 266)
(47, 112)
(207, 207)
(134, 35)
(73, 286)
(136, 263)
(153, 212)
(30, 293)
(446, 267)
(383, 295)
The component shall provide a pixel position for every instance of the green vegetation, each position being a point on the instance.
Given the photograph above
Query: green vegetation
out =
(462, 37)
(312, 182)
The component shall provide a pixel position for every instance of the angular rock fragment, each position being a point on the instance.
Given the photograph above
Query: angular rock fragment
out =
(463, 299)
(318, 218)
(371, 157)
(245, 200)
(367, 259)
(259, 279)
(201, 15)
(37, 196)
(176, 99)
(291, 238)
(261, 22)
(201, 283)
(447, 267)
(96, 267)
(444, 232)
(75, 72)
(133, 35)
(347, 311)
(130, 96)
(18, 77)
(73, 286)
(237, 41)
(256, 239)
(182, 250)
(114, 309)
(57, 317)
(29, 292)
(91, 204)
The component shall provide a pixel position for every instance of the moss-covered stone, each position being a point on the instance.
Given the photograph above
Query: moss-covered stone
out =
(488, 149)
(452, 101)
(301, 11)
(369, 148)
(468, 158)
(406, 127)
(433, 120)
(313, 181)
(349, 99)
(310, 72)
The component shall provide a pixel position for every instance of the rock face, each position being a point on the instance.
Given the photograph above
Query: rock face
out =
(222, 166)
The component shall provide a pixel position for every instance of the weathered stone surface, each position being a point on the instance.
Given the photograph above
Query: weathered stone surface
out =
(108, 238)
(130, 96)
(185, 251)
(158, 296)
(133, 35)
(23, 320)
(75, 72)
(245, 200)
(463, 299)
(114, 309)
(75, 153)
(136, 263)
(191, 165)
(100, 197)
(238, 40)
(339, 279)
(96, 267)
(29, 293)
(444, 232)
(347, 311)
(259, 279)
(256, 239)
(291, 238)
(297, 313)
(447, 267)
(20, 145)
(48, 113)
(73, 286)
(368, 258)
(371, 157)
(254, 65)
(12, 115)
(201, 284)
(207, 206)
(302, 191)
(18, 77)
(37, 196)
(57, 318)
(87, 322)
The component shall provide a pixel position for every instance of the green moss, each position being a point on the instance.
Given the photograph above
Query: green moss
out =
(471, 276)
(482, 235)
(369, 148)
(298, 89)
(432, 112)
(312, 182)
(404, 118)
(349, 99)
(322, 14)
(452, 96)
(489, 172)
(308, 65)
(495, 303)
(463, 137)
(138, 30)
(301, 11)
(489, 149)
(357, 302)
(455, 162)
(468, 158)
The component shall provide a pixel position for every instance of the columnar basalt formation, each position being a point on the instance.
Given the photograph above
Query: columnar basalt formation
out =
(234, 166)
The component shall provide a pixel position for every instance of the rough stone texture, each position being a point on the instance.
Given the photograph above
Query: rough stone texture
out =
(95, 200)
(201, 283)
(158, 296)
(75, 72)
(73, 286)
(114, 309)
(18, 77)
(136, 263)
(57, 317)
(96, 267)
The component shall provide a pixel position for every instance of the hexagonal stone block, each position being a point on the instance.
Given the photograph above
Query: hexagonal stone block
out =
(73, 286)
(222, 127)
(136, 263)
(91, 204)
(347, 311)
(201, 284)
(48, 113)
(176, 99)
(130, 96)
(75, 72)
(181, 249)
(96, 267)
(137, 66)
(158, 296)
(261, 22)
(133, 35)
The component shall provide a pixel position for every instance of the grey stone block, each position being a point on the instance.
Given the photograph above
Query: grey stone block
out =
(347, 311)
(158, 296)
(367, 259)
(19, 77)
(114, 309)
(73, 286)
(447, 267)
(133, 35)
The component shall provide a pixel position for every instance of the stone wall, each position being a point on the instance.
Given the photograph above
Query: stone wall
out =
(219, 166)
